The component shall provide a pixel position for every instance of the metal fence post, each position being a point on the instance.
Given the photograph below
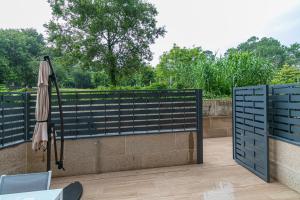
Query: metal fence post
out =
(2, 118)
(159, 110)
(119, 113)
(133, 110)
(105, 110)
(233, 121)
(199, 126)
(76, 112)
(267, 167)
(91, 115)
(27, 117)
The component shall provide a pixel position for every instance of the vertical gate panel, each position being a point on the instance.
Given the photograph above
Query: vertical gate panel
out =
(199, 129)
(250, 129)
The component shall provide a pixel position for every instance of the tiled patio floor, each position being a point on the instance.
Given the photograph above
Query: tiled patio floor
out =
(220, 178)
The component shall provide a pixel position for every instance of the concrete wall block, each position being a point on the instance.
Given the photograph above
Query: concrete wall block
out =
(79, 158)
(223, 107)
(285, 154)
(285, 175)
(221, 122)
(154, 143)
(215, 132)
(285, 163)
(185, 140)
(13, 160)
(208, 107)
(206, 122)
(111, 146)
(217, 107)
(37, 160)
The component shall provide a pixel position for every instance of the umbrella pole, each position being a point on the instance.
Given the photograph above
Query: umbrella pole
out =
(49, 127)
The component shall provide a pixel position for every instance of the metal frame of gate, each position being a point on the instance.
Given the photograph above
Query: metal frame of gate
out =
(251, 130)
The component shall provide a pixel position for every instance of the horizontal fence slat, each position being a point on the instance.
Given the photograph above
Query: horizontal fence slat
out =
(13, 118)
(68, 119)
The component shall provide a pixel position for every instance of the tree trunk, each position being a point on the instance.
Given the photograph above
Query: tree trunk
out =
(112, 63)
(112, 74)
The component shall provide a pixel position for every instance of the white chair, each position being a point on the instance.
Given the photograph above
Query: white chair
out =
(10, 184)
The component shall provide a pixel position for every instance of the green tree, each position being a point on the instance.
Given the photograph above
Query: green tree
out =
(195, 68)
(177, 67)
(234, 70)
(287, 74)
(268, 48)
(19, 54)
(81, 78)
(5, 71)
(106, 34)
(293, 54)
(62, 74)
(147, 76)
(100, 78)
(243, 68)
(143, 76)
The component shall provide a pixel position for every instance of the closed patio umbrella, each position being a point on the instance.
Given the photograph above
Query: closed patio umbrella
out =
(40, 134)
(45, 128)
(41, 138)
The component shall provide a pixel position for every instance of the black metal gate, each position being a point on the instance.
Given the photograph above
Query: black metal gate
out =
(250, 129)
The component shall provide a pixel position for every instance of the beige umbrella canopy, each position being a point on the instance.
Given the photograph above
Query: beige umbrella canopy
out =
(40, 134)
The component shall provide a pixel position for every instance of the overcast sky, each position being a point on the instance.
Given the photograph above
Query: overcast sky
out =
(212, 24)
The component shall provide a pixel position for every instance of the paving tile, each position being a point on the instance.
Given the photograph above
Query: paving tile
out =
(219, 178)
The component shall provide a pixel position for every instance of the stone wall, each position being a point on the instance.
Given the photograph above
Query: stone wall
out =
(13, 159)
(117, 153)
(285, 163)
(107, 154)
(217, 118)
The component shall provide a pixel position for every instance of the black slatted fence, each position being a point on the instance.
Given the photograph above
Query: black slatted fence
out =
(13, 120)
(284, 112)
(106, 113)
